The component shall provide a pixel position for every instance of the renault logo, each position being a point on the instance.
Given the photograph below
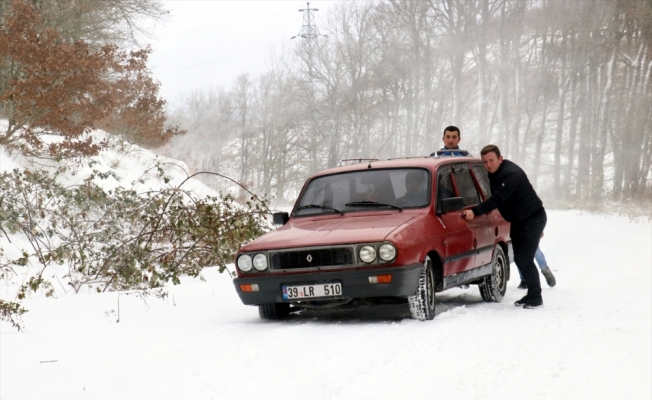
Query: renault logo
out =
(309, 258)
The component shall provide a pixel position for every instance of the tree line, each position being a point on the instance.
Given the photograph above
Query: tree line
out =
(562, 87)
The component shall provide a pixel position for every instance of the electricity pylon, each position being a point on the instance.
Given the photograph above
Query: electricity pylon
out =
(310, 33)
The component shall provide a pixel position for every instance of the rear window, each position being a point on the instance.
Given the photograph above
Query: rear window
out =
(364, 190)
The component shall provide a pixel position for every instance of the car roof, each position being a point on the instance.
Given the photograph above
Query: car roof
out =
(430, 163)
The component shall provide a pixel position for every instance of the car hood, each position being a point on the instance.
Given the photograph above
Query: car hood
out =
(309, 232)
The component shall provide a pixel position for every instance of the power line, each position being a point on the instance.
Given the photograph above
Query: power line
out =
(227, 24)
(246, 53)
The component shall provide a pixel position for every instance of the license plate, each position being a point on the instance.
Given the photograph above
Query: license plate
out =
(332, 289)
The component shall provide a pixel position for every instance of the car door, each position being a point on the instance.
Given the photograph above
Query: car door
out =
(488, 235)
(458, 237)
(482, 226)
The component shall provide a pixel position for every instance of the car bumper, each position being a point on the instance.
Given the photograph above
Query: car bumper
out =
(355, 284)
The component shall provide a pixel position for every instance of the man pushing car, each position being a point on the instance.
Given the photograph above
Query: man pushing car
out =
(515, 198)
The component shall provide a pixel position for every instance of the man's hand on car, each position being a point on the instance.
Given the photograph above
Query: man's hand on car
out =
(468, 214)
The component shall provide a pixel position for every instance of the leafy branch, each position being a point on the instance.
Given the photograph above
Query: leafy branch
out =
(120, 239)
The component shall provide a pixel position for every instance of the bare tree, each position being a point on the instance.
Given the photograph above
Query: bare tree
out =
(99, 22)
(563, 87)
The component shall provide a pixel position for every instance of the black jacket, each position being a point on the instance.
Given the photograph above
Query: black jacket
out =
(511, 193)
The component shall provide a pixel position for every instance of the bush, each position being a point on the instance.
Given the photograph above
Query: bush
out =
(118, 239)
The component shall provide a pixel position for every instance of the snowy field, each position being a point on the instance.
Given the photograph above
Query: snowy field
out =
(592, 340)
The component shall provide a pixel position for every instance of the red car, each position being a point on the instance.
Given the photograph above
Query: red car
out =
(379, 232)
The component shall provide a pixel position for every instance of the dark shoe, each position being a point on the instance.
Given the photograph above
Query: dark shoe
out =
(523, 285)
(550, 278)
(533, 303)
(523, 301)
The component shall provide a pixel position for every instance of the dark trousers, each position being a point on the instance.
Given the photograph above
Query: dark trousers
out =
(525, 240)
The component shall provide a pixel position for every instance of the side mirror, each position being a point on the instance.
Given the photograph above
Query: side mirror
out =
(280, 218)
(452, 204)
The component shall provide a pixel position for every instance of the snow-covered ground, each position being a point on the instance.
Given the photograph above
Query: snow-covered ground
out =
(591, 340)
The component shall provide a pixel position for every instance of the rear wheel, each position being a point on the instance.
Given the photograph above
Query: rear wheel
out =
(422, 304)
(274, 311)
(494, 286)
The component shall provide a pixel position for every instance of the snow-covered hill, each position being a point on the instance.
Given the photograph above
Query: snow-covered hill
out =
(128, 161)
(130, 166)
(591, 340)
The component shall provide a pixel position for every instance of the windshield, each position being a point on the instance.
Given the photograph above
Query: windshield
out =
(365, 190)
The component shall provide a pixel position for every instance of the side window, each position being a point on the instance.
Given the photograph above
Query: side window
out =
(444, 185)
(465, 184)
(481, 174)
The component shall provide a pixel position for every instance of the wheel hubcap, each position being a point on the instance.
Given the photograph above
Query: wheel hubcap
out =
(499, 270)
(430, 289)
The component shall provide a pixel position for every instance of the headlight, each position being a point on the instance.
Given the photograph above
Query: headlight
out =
(367, 254)
(244, 263)
(260, 262)
(387, 252)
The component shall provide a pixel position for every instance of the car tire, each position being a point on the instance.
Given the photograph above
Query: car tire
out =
(494, 286)
(274, 311)
(422, 304)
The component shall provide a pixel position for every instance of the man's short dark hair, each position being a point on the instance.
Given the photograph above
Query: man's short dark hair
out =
(452, 129)
(489, 149)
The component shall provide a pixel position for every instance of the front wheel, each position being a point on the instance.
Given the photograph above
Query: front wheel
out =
(422, 304)
(494, 286)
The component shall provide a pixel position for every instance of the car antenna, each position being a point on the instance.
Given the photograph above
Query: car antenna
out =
(369, 165)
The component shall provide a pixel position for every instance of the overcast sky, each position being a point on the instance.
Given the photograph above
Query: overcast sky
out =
(209, 43)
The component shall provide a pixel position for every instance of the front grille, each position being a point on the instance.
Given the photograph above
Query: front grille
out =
(318, 258)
